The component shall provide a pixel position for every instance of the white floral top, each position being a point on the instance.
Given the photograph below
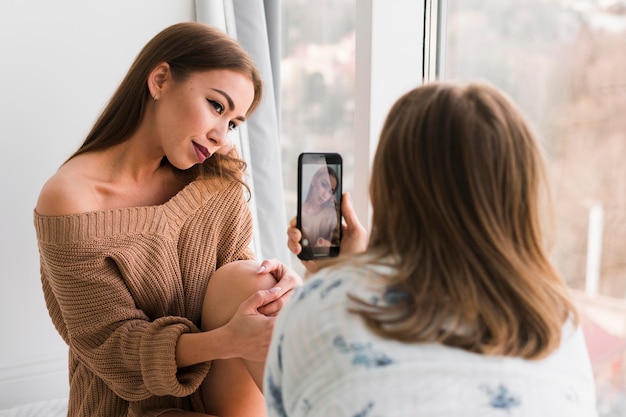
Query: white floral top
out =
(324, 362)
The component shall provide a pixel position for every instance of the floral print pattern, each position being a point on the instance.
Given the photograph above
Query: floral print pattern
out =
(324, 361)
(501, 397)
(362, 353)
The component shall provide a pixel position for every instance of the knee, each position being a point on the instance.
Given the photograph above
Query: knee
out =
(239, 279)
(229, 286)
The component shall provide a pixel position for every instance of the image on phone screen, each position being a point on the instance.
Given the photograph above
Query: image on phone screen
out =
(319, 204)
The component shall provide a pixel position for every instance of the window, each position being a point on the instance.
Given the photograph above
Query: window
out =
(317, 87)
(564, 64)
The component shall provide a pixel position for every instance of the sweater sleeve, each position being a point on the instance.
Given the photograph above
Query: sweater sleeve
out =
(112, 317)
(236, 233)
(221, 230)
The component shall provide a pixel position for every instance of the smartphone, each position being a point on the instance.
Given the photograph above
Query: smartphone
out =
(319, 204)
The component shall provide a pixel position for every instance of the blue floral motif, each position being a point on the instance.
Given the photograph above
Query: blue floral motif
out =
(374, 299)
(276, 396)
(279, 352)
(306, 406)
(500, 397)
(307, 289)
(331, 287)
(363, 354)
(391, 296)
(366, 411)
(395, 295)
(572, 395)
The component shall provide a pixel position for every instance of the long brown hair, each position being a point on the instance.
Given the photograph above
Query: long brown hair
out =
(466, 176)
(324, 172)
(187, 47)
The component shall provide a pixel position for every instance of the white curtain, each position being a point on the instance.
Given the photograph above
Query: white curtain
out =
(256, 26)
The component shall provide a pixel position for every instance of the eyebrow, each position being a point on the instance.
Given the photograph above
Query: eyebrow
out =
(231, 105)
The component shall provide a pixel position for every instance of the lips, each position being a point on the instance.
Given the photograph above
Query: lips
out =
(202, 152)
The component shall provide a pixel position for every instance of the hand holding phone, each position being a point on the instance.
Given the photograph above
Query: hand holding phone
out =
(319, 204)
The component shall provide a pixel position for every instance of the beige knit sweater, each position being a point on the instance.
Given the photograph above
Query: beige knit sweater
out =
(122, 285)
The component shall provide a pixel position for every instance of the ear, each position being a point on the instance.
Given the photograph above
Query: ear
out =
(157, 79)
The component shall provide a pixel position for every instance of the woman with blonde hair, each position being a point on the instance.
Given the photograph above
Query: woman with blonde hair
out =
(454, 308)
(144, 238)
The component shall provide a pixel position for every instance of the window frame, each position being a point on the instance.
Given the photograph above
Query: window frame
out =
(383, 49)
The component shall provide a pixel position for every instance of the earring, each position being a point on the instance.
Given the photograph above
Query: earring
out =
(156, 97)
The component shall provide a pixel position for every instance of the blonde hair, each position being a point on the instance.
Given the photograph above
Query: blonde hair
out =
(465, 174)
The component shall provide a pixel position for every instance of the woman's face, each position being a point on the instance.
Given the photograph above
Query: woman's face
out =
(322, 188)
(194, 116)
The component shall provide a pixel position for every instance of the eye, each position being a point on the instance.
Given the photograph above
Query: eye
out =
(217, 106)
(232, 126)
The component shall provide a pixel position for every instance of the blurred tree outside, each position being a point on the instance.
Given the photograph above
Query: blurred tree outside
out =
(564, 64)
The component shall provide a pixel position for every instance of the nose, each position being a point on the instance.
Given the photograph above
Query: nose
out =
(219, 134)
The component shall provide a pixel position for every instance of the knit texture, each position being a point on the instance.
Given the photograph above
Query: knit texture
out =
(122, 285)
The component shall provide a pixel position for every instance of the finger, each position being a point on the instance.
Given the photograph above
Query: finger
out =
(286, 277)
(269, 265)
(293, 237)
(270, 309)
(293, 233)
(260, 298)
(311, 266)
(294, 247)
(348, 212)
(273, 308)
(293, 240)
(288, 281)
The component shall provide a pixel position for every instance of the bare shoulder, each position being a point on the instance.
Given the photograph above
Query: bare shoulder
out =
(68, 191)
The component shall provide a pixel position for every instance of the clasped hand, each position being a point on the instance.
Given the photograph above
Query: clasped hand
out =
(250, 328)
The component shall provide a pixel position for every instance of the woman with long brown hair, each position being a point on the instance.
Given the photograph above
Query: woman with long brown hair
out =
(320, 214)
(140, 232)
(454, 307)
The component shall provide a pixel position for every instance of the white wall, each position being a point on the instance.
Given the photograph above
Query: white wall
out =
(59, 62)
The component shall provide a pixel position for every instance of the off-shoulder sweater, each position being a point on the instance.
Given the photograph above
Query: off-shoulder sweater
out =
(122, 285)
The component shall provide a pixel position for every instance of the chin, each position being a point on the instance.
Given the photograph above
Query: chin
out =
(183, 166)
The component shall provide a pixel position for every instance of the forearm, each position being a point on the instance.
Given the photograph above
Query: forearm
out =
(194, 348)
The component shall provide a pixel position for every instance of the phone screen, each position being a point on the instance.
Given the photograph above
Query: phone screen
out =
(319, 204)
